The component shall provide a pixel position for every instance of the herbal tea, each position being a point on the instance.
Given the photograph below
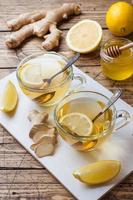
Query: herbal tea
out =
(76, 118)
(32, 73)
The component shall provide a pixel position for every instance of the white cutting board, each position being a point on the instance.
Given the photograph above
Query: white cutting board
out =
(66, 159)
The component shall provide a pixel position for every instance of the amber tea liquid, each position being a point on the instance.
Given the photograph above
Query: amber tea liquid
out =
(32, 73)
(90, 107)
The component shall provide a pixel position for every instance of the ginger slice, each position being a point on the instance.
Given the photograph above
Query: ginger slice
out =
(43, 133)
(43, 127)
(36, 117)
(45, 138)
(40, 23)
(44, 147)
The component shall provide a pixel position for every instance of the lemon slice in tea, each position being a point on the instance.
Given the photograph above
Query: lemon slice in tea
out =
(98, 172)
(9, 98)
(78, 123)
(84, 36)
(35, 70)
(30, 75)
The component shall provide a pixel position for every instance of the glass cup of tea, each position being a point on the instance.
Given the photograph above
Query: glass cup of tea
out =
(34, 68)
(74, 119)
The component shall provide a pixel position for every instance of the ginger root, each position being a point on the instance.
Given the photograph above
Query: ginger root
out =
(36, 117)
(40, 23)
(43, 133)
(45, 147)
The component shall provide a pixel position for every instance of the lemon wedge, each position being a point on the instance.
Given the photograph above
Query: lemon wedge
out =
(9, 98)
(84, 36)
(78, 123)
(98, 172)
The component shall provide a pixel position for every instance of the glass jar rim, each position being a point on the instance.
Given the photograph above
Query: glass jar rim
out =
(103, 133)
(103, 53)
(49, 88)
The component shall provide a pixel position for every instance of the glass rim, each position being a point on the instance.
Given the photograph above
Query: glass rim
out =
(49, 88)
(103, 53)
(103, 133)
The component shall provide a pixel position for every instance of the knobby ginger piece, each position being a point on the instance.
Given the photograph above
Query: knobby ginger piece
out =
(40, 23)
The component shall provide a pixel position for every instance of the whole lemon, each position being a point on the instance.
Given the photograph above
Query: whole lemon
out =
(119, 18)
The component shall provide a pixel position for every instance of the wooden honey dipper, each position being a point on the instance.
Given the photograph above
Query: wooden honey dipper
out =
(114, 51)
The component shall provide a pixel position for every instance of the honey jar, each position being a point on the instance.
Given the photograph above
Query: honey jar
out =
(119, 68)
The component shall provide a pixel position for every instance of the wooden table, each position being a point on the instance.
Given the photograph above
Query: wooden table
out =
(21, 176)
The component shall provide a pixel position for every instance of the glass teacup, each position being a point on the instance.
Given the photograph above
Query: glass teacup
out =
(33, 69)
(89, 104)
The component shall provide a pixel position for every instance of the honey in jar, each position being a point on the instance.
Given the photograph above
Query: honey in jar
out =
(119, 68)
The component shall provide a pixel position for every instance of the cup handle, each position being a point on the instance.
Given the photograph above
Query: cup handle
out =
(122, 119)
(78, 78)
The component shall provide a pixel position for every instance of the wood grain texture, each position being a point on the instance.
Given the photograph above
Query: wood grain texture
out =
(21, 176)
(90, 9)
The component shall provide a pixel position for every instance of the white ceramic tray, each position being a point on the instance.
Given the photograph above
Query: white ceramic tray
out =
(66, 159)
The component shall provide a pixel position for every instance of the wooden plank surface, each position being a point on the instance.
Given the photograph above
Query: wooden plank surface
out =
(21, 176)
(90, 9)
